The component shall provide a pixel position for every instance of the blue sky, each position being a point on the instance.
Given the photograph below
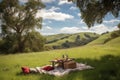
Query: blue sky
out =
(61, 16)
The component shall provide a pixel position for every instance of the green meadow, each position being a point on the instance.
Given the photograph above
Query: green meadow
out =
(26, 41)
(105, 58)
(62, 38)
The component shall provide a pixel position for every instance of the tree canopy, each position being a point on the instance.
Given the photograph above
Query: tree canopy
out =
(18, 20)
(119, 26)
(93, 11)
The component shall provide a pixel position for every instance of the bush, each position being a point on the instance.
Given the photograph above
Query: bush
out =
(33, 42)
(114, 35)
(36, 40)
(87, 35)
(47, 48)
(8, 44)
(108, 39)
(66, 44)
(56, 47)
(27, 50)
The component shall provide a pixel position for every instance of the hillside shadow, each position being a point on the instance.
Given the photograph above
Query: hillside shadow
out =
(106, 68)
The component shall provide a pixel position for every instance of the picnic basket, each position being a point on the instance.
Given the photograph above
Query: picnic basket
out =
(70, 64)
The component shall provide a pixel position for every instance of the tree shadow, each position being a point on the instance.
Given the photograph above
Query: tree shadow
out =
(47, 77)
(106, 68)
(41, 76)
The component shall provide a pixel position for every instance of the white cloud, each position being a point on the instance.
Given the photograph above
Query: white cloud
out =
(54, 8)
(70, 30)
(79, 14)
(96, 29)
(58, 16)
(74, 29)
(44, 1)
(43, 23)
(102, 28)
(112, 21)
(73, 8)
(61, 2)
(47, 33)
(82, 22)
(46, 28)
(48, 1)
(24, 1)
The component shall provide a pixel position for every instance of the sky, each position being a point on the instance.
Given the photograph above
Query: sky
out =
(61, 16)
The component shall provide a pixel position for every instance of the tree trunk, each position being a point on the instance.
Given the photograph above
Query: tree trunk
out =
(20, 43)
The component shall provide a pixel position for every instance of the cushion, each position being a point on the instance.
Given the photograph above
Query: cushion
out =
(25, 69)
(48, 68)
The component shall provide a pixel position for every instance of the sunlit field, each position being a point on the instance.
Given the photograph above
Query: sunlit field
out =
(102, 57)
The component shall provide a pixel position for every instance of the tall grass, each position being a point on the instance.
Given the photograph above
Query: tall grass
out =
(10, 65)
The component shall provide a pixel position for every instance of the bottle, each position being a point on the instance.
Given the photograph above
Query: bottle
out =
(63, 56)
(66, 57)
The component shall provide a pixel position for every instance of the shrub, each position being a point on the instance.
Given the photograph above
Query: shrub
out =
(114, 35)
(66, 44)
(47, 48)
(108, 39)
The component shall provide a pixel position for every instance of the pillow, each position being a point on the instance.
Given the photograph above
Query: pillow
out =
(48, 68)
(25, 69)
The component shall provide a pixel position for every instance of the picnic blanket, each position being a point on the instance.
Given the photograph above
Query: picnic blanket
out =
(60, 72)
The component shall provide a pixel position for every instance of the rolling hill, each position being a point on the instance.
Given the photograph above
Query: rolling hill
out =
(101, 56)
(111, 38)
(100, 40)
(114, 42)
(59, 39)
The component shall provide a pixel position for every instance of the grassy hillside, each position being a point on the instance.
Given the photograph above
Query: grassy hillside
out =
(104, 58)
(114, 42)
(70, 38)
(57, 36)
(100, 40)
(98, 56)
(111, 38)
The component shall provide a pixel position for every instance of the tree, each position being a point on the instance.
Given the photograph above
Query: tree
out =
(19, 19)
(119, 26)
(77, 38)
(66, 44)
(93, 11)
(36, 40)
(9, 44)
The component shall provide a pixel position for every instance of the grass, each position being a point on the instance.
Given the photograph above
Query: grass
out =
(71, 38)
(100, 40)
(10, 65)
(105, 58)
(114, 42)
(57, 36)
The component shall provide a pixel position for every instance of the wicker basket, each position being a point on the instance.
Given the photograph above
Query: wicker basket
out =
(70, 65)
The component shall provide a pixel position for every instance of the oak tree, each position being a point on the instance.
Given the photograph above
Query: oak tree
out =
(18, 19)
(93, 11)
